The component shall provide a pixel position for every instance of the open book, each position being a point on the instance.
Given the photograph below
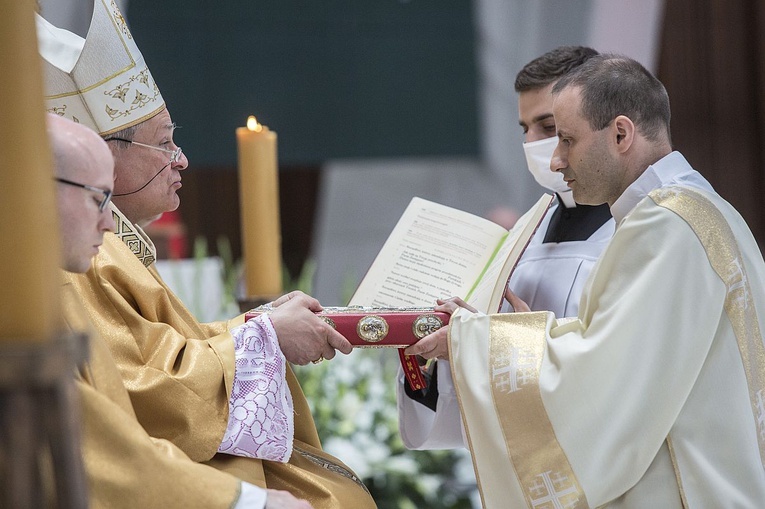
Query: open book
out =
(437, 251)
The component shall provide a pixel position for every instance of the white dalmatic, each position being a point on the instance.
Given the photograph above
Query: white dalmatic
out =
(653, 395)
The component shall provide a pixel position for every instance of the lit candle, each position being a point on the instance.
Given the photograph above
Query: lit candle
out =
(259, 199)
(29, 280)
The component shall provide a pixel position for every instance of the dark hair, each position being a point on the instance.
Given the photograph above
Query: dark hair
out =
(613, 85)
(547, 68)
(127, 133)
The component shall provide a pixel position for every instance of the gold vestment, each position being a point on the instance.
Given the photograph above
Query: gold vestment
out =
(179, 373)
(125, 466)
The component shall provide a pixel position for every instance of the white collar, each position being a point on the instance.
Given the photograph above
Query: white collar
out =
(670, 169)
(567, 198)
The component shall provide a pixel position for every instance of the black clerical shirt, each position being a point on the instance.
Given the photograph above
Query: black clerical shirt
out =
(566, 225)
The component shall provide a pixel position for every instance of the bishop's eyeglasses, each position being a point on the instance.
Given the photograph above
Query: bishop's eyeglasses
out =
(107, 194)
(175, 155)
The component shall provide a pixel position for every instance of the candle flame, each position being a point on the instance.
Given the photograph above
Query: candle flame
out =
(253, 125)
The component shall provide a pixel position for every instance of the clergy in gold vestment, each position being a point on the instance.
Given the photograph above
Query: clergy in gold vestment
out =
(179, 374)
(125, 466)
(653, 395)
(222, 392)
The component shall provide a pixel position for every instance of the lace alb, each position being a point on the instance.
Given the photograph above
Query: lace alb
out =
(261, 422)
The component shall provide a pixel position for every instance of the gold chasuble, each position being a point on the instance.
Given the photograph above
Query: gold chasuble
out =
(179, 374)
(652, 397)
(126, 468)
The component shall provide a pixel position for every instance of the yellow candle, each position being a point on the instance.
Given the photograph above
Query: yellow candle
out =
(29, 282)
(259, 199)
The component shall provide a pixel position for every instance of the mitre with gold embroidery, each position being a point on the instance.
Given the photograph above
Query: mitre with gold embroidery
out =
(101, 81)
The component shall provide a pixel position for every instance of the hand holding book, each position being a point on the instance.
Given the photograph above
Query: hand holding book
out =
(438, 252)
(436, 345)
(434, 252)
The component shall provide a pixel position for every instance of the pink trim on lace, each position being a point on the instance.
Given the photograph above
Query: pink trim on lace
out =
(260, 422)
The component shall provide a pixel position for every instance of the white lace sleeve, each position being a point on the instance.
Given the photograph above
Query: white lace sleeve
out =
(260, 422)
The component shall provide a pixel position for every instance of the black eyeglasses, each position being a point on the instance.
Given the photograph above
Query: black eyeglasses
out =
(175, 155)
(104, 201)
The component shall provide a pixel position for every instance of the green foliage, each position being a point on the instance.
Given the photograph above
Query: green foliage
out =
(353, 402)
(232, 270)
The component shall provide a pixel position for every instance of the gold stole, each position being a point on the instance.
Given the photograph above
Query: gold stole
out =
(502, 405)
(715, 234)
(134, 238)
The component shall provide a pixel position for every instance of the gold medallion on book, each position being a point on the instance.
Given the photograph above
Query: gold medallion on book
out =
(434, 252)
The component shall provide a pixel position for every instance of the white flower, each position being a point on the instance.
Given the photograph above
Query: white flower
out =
(351, 455)
(405, 465)
(429, 483)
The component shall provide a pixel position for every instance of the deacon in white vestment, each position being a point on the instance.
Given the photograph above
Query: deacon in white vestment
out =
(653, 395)
(554, 267)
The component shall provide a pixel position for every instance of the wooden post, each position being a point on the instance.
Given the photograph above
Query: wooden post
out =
(40, 456)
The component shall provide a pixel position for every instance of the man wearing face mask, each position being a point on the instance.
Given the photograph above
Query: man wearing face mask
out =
(554, 267)
(552, 272)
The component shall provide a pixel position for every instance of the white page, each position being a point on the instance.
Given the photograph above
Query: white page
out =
(489, 291)
(434, 252)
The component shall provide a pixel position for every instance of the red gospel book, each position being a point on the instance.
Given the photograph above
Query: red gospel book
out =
(434, 252)
(369, 327)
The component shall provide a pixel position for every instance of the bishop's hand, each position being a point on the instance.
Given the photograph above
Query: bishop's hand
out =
(303, 336)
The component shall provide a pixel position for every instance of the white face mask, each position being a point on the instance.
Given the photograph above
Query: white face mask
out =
(538, 156)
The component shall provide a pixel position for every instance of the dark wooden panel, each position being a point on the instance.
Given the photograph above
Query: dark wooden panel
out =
(713, 65)
(210, 209)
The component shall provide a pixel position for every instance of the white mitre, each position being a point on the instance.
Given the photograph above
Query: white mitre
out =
(101, 81)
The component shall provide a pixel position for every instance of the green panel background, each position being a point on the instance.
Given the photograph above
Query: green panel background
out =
(335, 79)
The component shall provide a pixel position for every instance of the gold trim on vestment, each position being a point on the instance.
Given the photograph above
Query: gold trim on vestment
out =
(466, 428)
(515, 358)
(332, 467)
(719, 242)
(134, 238)
(678, 479)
